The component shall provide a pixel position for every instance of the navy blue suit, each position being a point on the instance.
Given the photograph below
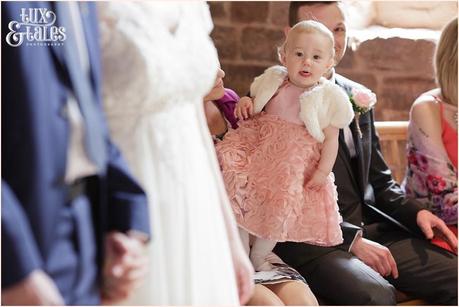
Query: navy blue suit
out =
(41, 228)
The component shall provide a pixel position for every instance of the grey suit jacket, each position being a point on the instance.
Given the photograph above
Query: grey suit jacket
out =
(367, 193)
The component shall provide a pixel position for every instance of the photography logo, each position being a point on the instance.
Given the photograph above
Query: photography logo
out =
(36, 28)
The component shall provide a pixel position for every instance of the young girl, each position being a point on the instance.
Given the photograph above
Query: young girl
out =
(277, 165)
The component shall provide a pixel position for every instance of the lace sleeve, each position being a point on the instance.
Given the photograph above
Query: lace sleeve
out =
(124, 68)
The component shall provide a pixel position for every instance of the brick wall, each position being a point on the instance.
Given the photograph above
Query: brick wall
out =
(246, 35)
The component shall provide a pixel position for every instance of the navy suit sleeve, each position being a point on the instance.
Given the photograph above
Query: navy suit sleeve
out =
(20, 255)
(128, 206)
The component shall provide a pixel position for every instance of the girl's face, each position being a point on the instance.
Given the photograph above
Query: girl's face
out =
(332, 16)
(218, 90)
(307, 56)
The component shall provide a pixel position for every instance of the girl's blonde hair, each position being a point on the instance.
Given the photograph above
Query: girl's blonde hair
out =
(446, 62)
(308, 26)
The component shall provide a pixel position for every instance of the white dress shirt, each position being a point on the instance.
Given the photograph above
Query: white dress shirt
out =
(78, 162)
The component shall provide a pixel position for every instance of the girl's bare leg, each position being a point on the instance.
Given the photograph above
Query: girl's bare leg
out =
(294, 293)
(262, 296)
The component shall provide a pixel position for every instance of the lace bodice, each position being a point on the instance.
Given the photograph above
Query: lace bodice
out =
(135, 33)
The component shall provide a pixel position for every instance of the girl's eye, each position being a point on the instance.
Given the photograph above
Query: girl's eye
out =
(316, 57)
(340, 29)
(299, 54)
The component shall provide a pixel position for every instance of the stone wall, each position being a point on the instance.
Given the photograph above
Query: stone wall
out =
(246, 35)
(396, 67)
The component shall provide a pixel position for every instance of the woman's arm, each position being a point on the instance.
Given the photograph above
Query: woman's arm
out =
(425, 114)
(430, 174)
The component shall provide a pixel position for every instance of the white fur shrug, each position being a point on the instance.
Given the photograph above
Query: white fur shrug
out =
(324, 105)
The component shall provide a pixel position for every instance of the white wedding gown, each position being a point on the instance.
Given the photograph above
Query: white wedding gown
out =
(159, 62)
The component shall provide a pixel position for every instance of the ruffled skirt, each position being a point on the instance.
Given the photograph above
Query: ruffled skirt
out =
(265, 163)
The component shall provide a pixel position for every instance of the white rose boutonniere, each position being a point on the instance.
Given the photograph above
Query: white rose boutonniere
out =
(362, 100)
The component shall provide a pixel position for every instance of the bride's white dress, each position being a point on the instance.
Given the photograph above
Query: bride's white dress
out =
(158, 63)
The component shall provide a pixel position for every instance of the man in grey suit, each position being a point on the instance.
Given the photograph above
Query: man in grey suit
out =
(385, 234)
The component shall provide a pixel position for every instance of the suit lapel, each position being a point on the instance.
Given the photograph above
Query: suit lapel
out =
(343, 150)
(90, 30)
(56, 51)
(360, 156)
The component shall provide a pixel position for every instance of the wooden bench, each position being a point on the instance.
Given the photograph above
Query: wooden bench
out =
(393, 136)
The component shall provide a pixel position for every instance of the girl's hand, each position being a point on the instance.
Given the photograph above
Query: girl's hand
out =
(244, 108)
(317, 180)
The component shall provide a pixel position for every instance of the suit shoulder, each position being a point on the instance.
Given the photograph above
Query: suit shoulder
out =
(347, 84)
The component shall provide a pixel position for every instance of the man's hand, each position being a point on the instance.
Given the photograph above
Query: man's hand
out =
(244, 272)
(244, 108)
(36, 289)
(431, 225)
(126, 264)
(376, 256)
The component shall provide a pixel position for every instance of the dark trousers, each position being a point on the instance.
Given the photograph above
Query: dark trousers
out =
(425, 271)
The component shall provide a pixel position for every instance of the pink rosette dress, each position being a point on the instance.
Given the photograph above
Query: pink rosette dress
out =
(265, 164)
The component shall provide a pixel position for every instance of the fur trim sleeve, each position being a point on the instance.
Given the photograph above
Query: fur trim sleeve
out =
(327, 104)
(340, 109)
(310, 109)
(265, 86)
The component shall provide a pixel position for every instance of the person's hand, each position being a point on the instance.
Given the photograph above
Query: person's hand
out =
(317, 180)
(36, 289)
(125, 266)
(376, 256)
(431, 225)
(244, 272)
(244, 108)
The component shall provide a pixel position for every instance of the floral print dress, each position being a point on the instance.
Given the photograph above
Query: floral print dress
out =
(431, 178)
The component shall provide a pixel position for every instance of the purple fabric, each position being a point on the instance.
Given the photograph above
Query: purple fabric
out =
(227, 104)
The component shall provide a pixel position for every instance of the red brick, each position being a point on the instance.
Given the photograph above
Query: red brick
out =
(383, 113)
(226, 41)
(348, 61)
(398, 54)
(398, 94)
(217, 10)
(239, 77)
(260, 44)
(251, 11)
(369, 80)
(278, 13)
